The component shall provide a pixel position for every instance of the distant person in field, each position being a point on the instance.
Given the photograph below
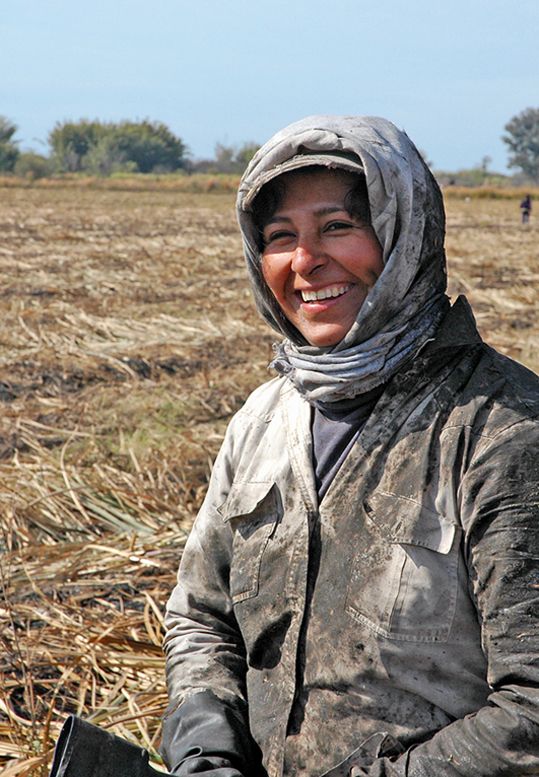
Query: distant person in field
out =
(526, 208)
(360, 593)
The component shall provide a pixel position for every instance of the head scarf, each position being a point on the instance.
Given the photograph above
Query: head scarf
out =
(404, 307)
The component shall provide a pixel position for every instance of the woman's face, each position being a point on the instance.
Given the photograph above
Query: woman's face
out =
(318, 260)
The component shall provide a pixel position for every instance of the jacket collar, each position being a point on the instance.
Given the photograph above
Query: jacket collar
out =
(457, 328)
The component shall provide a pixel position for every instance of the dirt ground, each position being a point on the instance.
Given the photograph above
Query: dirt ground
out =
(129, 338)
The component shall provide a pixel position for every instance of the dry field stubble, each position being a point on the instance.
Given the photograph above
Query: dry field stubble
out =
(128, 340)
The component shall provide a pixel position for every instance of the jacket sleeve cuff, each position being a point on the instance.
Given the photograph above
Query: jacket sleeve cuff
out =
(205, 734)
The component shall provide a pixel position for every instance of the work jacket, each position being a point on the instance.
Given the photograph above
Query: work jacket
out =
(390, 629)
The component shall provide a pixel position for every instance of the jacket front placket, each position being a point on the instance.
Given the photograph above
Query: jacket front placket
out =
(301, 511)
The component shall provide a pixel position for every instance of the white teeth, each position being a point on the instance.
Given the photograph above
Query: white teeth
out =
(331, 291)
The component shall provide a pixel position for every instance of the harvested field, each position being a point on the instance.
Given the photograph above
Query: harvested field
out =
(129, 339)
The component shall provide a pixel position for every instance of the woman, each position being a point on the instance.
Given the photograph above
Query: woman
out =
(358, 595)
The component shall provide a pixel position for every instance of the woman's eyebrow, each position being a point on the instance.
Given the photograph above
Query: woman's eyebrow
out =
(275, 219)
(330, 209)
(325, 211)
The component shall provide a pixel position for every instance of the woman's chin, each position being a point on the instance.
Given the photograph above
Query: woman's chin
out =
(325, 334)
(324, 337)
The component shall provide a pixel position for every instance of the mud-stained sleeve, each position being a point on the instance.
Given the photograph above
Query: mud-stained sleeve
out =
(500, 515)
(205, 655)
(202, 644)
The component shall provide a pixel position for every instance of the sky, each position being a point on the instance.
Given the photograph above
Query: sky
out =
(230, 71)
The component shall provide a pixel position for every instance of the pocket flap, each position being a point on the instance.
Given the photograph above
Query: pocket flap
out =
(244, 498)
(406, 521)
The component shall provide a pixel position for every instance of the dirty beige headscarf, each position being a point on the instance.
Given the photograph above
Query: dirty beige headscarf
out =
(403, 309)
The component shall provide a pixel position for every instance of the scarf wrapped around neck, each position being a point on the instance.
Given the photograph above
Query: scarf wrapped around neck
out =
(403, 309)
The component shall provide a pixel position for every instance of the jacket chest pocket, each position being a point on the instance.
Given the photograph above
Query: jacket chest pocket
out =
(253, 511)
(404, 581)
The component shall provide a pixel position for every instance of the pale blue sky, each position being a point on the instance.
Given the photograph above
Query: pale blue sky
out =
(450, 73)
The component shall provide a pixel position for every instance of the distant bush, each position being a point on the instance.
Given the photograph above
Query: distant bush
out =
(31, 165)
(102, 148)
(473, 177)
(106, 158)
(71, 141)
(228, 159)
(151, 146)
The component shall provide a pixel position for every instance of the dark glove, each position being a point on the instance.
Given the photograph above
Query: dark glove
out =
(207, 736)
(206, 767)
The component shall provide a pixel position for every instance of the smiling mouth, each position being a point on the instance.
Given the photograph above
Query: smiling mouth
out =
(330, 292)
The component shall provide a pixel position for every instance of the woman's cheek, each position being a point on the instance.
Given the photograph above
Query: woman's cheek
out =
(274, 272)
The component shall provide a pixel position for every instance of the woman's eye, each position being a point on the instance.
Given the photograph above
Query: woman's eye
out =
(334, 226)
(279, 235)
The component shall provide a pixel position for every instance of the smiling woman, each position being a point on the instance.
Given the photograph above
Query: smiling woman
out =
(319, 260)
(359, 592)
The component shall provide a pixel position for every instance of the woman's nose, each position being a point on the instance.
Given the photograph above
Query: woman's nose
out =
(307, 257)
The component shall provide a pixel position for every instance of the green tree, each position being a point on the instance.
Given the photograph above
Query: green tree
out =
(106, 157)
(106, 147)
(523, 140)
(151, 146)
(71, 141)
(8, 147)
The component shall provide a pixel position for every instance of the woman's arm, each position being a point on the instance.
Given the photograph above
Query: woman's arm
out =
(206, 726)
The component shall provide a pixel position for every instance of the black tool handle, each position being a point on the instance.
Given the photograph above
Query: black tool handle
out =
(84, 750)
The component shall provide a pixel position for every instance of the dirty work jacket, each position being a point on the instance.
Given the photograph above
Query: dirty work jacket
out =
(414, 649)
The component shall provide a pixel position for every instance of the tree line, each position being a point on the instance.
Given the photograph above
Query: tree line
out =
(104, 148)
